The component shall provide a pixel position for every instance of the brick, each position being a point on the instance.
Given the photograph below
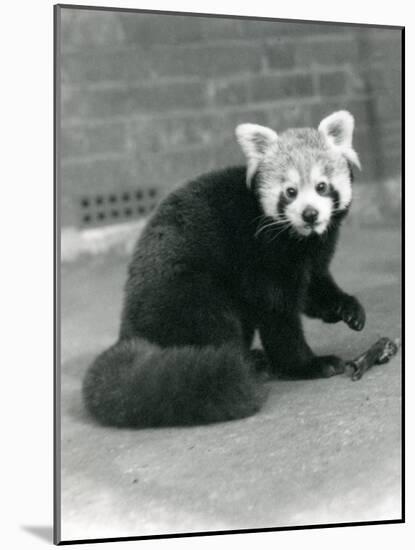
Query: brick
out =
(97, 176)
(326, 51)
(84, 140)
(392, 82)
(213, 29)
(378, 48)
(372, 77)
(228, 154)
(393, 164)
(383, 80)
(207, 61)
(285, 116)
(328, 29)
(377, 34)
(259, 29)
(68, 210)
(275, 87)
(84, 104)
(171, 168)
(279, 55)
(333, 83)
(251, 28)
(358, 108)
(370, 167)
(84, 28)
(179, 132)
(383, 40)
(94, 65)
(128, 100)
(169, 96)
(254, 115)
(150, 28)
(367, 144)
(175, 132)
(362, 139)
(389, 107)
(382, 53)
(391, 137)
(232, 92)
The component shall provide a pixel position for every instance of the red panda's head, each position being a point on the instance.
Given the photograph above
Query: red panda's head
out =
(303, 176)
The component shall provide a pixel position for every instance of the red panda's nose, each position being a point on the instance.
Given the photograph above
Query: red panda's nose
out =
(310, 214)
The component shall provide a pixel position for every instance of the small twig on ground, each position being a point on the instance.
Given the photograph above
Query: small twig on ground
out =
(379, 353)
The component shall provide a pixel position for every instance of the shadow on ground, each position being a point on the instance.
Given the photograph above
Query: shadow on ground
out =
(320, 451)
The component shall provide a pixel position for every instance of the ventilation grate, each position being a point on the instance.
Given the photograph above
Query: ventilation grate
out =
(116, 207)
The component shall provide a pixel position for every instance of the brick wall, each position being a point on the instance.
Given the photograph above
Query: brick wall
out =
(151, 100)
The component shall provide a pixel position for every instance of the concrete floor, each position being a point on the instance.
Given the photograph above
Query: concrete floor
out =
(320, 451)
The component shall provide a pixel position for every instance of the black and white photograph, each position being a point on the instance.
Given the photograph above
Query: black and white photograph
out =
(228, 214)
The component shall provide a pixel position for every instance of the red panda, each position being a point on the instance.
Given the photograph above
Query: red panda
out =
(233, 251)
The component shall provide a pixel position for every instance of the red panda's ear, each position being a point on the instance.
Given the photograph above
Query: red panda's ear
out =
(254, 140)
(337, 129)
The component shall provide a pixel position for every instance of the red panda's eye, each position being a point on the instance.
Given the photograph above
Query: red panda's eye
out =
(321, 187)
(291, 192)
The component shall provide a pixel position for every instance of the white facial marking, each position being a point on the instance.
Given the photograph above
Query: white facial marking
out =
(317, 174)
(308, 197)
(293, 176)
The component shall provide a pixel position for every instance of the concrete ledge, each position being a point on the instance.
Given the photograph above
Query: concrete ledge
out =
(91, 242)
(373, 204)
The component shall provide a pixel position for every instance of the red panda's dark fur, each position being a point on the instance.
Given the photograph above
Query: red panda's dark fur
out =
(200, 282)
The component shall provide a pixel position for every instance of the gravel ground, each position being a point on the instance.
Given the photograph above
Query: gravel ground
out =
(320, 451)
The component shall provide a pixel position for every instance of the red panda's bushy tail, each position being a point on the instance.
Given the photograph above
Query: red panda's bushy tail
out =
(135, 383)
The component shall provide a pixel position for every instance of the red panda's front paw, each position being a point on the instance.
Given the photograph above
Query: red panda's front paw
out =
(326, 366)
(352, 313)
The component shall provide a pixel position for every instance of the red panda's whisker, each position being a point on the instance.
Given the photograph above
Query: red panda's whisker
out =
(276, 223)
